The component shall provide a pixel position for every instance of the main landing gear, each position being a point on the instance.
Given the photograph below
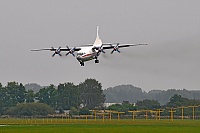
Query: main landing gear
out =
(82, 63)
(96, 61)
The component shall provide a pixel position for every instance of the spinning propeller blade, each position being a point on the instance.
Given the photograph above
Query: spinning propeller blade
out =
(116, 48)
(57, 51)
(71, 51)
(100, 49)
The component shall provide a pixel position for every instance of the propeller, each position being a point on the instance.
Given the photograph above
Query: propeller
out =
(116, 48)
(100, 49)
(71, 51)
(57, 51)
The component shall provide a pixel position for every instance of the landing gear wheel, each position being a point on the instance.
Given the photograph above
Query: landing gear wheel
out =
(82, 63)
(96, 61)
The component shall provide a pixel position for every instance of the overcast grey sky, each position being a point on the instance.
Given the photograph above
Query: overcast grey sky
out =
(170, 27)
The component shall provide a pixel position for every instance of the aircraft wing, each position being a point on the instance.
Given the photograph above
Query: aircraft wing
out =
(58, 50)
(114, 45)
(54, 49)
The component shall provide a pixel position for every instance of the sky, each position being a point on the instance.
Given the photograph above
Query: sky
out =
(171, 60)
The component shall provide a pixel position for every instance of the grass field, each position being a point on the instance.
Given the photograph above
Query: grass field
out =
(114, 126)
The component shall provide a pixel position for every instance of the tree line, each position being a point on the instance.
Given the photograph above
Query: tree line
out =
(79, 99)
(131, 93)
(176, 102)
(87, 94)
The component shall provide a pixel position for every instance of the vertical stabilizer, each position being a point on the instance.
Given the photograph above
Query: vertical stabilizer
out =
(98, 41)
(97, 31)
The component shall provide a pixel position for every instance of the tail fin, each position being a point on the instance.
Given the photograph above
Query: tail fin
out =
(98, 41)
(97, 31)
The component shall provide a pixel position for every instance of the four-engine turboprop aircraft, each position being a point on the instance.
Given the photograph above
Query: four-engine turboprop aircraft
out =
(91, 51)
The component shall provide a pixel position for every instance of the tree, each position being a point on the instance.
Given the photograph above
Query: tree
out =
(124, 107)
(68, 96)
(33, 86)
(2, 95)
(85, 111)
(116, 107)
(30, 96)
(91, 94)
(74, 111)
(48, 96)
(148, 104)
(13, 93)
(121, 93)
(177, 101)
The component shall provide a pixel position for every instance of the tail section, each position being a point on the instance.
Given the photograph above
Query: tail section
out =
(98, 41)
(97, 31)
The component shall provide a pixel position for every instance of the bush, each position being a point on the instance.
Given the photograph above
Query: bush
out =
(30, 109)
(84, 111)
(74, 111)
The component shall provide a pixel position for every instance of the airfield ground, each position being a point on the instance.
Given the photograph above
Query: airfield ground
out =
(89, 126)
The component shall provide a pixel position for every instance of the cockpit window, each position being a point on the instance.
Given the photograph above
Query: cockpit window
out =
(80, 53)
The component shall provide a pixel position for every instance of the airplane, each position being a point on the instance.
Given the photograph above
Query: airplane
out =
(89, 52)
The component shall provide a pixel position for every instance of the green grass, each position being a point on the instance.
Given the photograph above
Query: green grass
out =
(81, 126)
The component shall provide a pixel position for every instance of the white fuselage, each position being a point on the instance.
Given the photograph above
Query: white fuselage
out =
(86, 54)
